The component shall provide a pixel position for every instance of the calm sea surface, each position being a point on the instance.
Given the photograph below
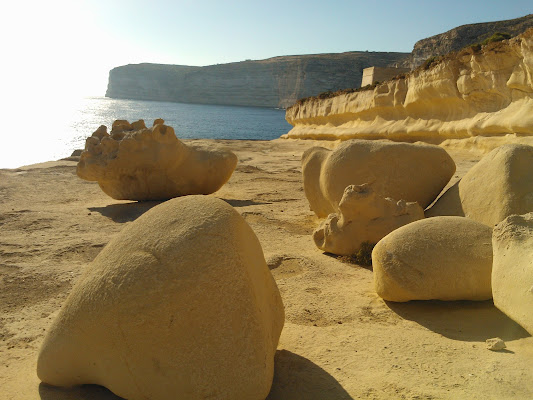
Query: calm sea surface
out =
(59, 129)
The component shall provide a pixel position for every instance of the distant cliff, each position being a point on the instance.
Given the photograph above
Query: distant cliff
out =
(462, 36)
(476, 91)
(274, 82)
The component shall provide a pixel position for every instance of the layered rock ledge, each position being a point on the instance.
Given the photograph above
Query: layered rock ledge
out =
(469, 93)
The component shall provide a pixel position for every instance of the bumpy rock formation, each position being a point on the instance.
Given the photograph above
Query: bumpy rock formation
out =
(274, 82)
(467, 94)
(364, 217)
(499, 185)
(457, 38)
(441, 258)
(402, 171)
(136, 163)
(179, 305)
(512, 271)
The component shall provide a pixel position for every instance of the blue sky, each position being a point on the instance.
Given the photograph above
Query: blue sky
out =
(72, 45)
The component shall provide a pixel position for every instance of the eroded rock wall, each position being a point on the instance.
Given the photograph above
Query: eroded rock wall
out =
(469, 93)
(274, 82)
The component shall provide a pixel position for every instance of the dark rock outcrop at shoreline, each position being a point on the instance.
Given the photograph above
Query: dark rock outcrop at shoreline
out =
(274, 82)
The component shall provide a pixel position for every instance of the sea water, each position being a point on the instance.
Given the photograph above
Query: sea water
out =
(50, 130)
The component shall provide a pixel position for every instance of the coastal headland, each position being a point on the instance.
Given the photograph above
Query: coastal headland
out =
(480, 90)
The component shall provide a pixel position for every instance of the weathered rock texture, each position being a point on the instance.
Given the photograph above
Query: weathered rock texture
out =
(499, 185)
(179, 305)
(274, 82)
(401, 171)
(364, 216)
(462, 36)
(137, 163)
(512, 271)
(441, 258)
(466, 94)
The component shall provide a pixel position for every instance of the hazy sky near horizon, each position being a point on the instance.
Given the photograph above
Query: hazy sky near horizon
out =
(66, 48)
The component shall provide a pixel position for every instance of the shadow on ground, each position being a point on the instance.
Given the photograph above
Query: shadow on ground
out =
(84, 392)
(125, 212)
(295, 377)
(461, 320)
(243, 203)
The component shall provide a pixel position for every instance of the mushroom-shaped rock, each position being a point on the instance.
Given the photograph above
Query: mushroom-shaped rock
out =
(137, 163)
(412, 172)
(499, 185)
(512, 271)
(441, 258)
(179, 305)
(364, 216)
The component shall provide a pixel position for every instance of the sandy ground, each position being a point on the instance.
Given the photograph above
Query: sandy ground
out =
(340, 340)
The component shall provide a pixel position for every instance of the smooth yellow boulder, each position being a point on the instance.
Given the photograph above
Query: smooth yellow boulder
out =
(512, 271)
(179, 305)
(440, 258)
(499, 185)
(364, 217)
(137, 163)
(402, 171)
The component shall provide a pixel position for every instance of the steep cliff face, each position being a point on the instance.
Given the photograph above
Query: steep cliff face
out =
(274, 82)
(466, 94)
(465, 35)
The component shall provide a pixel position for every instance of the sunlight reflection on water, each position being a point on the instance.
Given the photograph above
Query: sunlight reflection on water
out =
(53, 129)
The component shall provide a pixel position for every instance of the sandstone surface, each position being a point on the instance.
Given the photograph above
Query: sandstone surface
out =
(137, 163)
(469, 93)
(364, 216)
(440, 258)
(401, 171)
(274, 82)
(499, 185)
(340, 340)
(179, 304)
(512, 272)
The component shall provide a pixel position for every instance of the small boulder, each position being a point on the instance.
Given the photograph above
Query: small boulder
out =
(495, 344)
(137, 163)
(412, 172)
(179, 305)
(512, 271)
(364, 216)
(440, 258)
(499, 185)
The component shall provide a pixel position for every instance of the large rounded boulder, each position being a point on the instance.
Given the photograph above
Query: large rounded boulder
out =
(179, 305)
(403, 171)
(441, 258)
(499, 185)
(512, 271)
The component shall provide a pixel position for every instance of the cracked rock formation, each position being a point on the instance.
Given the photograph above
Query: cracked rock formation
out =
(468, 93)
(364, 217)
(137, 163)
(512, 271)
(499, 185)
(411, 172)
(179, 305)
(440, 258)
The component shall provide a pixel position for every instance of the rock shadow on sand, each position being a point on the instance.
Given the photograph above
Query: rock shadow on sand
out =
(125, 212)
(469, 321)
(243, 203)
(83, 392)
(295, 377)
